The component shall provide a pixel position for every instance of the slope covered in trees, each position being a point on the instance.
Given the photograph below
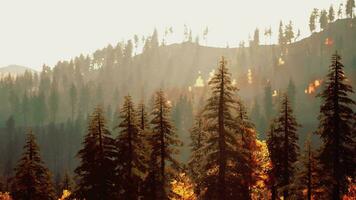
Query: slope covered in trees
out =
(57, 103)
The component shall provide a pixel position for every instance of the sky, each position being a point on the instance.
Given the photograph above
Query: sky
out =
(37, 32)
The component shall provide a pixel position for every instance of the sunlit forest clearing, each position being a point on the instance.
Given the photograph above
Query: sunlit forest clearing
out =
(144, 119)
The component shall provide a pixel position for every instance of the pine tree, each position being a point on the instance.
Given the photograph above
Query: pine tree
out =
(247, 163)
(73, 100)
(307, 176)
(323, 20)
(96, 171)
(198, 138)
(66, 183)
(256, 37)
(220, 148)
(32, 179)
(274, 149)
(339, 11)
(291, 92)
(163, 141)
(268, 105)
(281, 38)
(312, 20)
(331, 15)
(53, 101)
(289, 34)
(285, 132)
(335, 129)
(130, 159)
(350, 5)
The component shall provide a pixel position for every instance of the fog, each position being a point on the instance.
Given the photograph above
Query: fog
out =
(42, 31)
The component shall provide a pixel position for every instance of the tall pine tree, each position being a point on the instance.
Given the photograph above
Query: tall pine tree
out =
(220, 148)
(130, 160)
(32, 179)
(164, 141)
(198, 138)
(96, 171)
(247, 163)
(285, 133)
(337, 154)
(307, 176)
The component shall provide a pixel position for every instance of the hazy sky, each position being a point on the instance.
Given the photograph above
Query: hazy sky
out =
(33, 32)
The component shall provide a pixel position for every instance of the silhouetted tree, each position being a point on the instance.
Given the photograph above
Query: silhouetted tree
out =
(339, 11)
(130, 159)
(220, 148)
(335, 128)
(291, 92)
(331, 15)
(285, 132)
(350, 5)
(307, 176)
(312, 20)
(96, 171)
(198, 138)
(164, 142)
(32, 179)
(274, 149)
(73, 100)
(323, 20)
(268, 105)
(53, 100)
(289, 34)
(246, 162)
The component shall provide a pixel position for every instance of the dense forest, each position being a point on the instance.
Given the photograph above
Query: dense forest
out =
(143, 119)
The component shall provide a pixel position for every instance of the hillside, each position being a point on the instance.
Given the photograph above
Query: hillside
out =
(14, 70)
(57, 101)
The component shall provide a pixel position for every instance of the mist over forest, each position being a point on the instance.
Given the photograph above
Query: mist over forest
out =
(142, 119)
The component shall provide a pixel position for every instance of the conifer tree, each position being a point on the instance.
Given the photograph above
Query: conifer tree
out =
(289, 34)
(198, 138)
(32, 179)
(335, 129)
(350, 5)
(312, 20)
(285, 133)
(220, 148)
(291, 92)
(274, 147)
(307, 176)
(73, 100)
(130, 159)
(67, 182)
(163, 141)
(331, 15)
(323, 20)
(281, 38)
(247, 163)
(96, 171)
(268, 104)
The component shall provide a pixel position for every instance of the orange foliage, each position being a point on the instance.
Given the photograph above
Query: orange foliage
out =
(351, 194)
(65, 195)
(5, 196)
(260, 190)
(182, 188)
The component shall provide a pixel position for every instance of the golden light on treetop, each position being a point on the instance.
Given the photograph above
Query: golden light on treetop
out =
(249, 76)
(281, 61)
(275, 93)
(199, 82)
(65, 195)
(182, 188)
(313, 86)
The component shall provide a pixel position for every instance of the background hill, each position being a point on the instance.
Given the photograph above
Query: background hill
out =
(14, 70)
(56, 101)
